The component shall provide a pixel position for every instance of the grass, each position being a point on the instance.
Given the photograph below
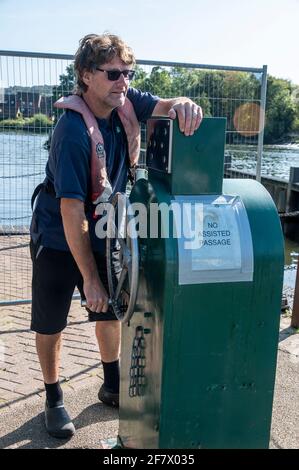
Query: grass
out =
(33, 124)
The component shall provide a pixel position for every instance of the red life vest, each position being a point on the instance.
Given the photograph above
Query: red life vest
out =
(101, 188)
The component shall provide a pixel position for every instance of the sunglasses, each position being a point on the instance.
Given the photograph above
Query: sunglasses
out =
(114, 75)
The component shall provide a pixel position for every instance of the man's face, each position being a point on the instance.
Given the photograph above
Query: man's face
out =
(106, 93)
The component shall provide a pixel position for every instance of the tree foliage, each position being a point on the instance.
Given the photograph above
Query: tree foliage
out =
(65, 87)
(280, 110)
(219, 93)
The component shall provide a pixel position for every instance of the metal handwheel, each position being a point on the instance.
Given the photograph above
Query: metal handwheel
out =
(122, 245)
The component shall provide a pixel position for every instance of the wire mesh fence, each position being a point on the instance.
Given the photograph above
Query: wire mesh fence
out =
(29, 85)
(234, 93)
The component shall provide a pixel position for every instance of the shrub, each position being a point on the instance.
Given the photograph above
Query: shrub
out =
(39, 120)
(35, 123)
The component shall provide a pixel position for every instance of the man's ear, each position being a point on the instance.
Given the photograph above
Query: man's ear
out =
(86, 77)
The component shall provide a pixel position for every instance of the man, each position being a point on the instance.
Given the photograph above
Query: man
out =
(65, 250)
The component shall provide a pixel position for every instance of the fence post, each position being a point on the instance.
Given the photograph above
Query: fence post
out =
(261, 125)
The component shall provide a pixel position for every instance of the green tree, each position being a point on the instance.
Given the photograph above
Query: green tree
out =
(158, 82)
(65, 87)
(219, 93)
(295, 98)
(280, 110)
(184, 82)
(140, 76)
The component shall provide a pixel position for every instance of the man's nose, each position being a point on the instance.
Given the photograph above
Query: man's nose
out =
(122, 78)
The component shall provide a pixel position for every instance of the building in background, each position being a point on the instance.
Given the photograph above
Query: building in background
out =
(25, 103)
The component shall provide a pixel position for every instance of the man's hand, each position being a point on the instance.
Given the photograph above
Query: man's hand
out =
(96, 296)
(189, 115)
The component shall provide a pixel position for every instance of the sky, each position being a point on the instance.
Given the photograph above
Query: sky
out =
(225, 32)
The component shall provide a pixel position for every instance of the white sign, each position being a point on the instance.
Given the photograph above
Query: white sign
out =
(216, 245)
(218, 240)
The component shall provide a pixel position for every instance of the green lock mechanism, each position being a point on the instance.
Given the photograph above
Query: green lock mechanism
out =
(199, 295)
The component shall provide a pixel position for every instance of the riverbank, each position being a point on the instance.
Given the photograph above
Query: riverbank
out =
(33, 124)
(290, 139)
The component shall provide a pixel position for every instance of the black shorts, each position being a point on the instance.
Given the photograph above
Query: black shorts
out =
(54, 278)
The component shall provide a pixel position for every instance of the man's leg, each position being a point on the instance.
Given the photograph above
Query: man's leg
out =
(108, 334)
(58, 422)
(48, 349)
(53, 281)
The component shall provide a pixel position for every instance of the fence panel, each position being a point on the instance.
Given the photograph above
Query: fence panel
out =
(29, 85)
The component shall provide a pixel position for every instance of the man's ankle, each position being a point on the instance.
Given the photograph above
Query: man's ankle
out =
(54, 394)
(111, 376)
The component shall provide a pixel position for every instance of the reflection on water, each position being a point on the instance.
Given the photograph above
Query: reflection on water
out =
(276, 161)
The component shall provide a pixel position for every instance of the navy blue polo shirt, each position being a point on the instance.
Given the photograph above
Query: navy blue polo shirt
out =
(68, 168)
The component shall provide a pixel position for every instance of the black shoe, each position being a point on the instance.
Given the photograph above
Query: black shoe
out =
(107, 397)
(58, 423)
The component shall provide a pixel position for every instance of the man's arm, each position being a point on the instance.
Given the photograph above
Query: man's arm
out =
(189, 113)
(76, 232)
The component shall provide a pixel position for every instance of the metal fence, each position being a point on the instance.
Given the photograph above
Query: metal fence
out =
(30, 83)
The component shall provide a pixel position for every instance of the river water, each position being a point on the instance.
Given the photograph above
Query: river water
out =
(23, 159)
(276, 162)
